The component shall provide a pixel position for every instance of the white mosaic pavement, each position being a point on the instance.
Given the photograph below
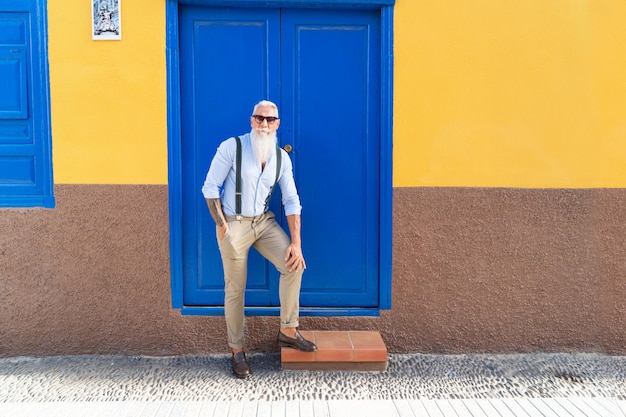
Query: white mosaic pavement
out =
(557, 385)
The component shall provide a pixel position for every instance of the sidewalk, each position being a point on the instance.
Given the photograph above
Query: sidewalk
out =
(413, 385)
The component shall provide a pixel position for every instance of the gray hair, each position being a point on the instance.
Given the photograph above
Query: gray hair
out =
(265, 103)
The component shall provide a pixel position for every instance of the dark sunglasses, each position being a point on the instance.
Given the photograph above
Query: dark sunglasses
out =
(269, 119)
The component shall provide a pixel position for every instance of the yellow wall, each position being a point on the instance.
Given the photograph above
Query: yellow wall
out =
(520, 93)
(108, 97)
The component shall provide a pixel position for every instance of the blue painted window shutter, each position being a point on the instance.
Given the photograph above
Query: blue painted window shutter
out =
(25, 149)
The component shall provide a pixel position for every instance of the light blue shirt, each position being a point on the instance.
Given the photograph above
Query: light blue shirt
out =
(255, 183)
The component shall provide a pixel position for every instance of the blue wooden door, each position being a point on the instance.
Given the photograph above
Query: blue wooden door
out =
(322, 67)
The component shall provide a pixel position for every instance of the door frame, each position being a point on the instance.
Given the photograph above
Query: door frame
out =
(175, 154)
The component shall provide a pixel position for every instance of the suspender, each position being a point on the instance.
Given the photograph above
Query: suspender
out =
(238, 178)
(278, 162)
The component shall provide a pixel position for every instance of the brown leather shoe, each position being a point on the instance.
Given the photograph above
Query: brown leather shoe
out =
(240, 365)
(298, 342)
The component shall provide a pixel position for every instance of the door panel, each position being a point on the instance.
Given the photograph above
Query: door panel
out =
(330, 64)
(13, 101)
(227, 61)
(322, 68)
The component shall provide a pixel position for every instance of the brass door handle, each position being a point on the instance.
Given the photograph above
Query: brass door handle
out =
(288, 148)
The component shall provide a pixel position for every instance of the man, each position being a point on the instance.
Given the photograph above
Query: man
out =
(256, 226)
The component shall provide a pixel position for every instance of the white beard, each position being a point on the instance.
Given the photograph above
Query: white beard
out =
(263, 143)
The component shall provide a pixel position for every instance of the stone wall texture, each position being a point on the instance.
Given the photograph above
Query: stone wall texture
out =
(474, 270)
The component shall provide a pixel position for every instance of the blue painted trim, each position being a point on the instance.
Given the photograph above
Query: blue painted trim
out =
(174, 153)
(292, 3)
(386, 160)
(13, 201)
(275, 311)
(43, 96)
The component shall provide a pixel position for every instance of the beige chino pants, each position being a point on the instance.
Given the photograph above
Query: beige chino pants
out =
(270, 240)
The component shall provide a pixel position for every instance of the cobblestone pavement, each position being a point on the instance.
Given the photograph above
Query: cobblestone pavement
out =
(408, 377)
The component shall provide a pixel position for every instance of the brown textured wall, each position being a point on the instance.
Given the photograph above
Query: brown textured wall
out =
(510, 270)
(92, 276)
(474, 270)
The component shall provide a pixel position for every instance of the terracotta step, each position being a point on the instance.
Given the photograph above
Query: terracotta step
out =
(340, 351)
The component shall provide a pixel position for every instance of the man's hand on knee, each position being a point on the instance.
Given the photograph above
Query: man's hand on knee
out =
(294, 258)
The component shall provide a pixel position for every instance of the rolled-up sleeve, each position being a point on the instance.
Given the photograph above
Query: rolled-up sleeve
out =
(290, 198)
(219, 169)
